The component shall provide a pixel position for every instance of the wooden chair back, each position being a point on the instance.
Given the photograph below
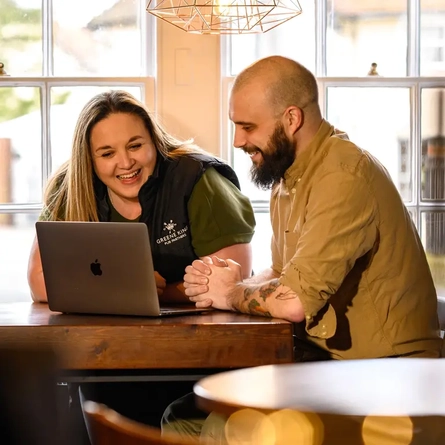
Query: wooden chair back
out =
(107, 427)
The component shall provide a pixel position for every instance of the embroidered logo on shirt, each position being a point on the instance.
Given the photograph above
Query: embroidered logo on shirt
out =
(169, 226)
(173, 235)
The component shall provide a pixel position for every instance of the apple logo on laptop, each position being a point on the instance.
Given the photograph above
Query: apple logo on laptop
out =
(95, 268)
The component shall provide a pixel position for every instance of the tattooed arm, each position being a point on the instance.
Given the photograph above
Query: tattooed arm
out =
(209, 283)
(270, 299)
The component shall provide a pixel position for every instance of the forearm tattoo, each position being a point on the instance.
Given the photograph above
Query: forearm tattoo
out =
(254, 297)
(256, 309)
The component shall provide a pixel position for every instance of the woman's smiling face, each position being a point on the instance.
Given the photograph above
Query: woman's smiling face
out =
(123, 154)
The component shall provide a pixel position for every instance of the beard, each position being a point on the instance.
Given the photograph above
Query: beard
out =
(278, 156)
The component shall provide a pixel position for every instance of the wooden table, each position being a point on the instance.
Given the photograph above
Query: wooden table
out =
(215, 340)
(392, 397)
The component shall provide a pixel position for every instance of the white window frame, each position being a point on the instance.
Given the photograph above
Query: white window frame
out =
(413, 81)
(47, 81)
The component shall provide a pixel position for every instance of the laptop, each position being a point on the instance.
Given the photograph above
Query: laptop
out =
(101, 268)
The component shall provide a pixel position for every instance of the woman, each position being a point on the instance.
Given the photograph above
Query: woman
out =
(124, 167)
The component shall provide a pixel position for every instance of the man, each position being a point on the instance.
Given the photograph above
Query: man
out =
(347, 263)
(348, 267)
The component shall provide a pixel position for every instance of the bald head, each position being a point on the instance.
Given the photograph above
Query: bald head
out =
(284, 82)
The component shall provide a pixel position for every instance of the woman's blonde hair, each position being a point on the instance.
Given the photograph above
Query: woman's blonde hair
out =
(69, 194)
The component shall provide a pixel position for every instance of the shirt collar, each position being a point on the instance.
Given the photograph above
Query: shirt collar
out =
(296, 170)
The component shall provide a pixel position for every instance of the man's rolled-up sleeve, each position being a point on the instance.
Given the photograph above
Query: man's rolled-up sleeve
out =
(339, 227)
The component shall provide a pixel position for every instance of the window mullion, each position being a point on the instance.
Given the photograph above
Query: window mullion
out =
(148, 44)
(226, 147)
(413, 30)
(320, 37)
(47, 34)
(48, 70)
(46, 127)
(416, 146)
(322, 97)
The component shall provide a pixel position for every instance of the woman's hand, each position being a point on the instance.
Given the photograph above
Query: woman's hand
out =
(160, 283)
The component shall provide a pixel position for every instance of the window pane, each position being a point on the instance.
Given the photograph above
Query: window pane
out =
(294, 39)
(21, 37)
(262, 256)
(364, 32)
(20, 145)
(381, 130)
(66, 104)
(16, 237)
(433, 144)
(433, 238)
(97, 38)
(432, 38)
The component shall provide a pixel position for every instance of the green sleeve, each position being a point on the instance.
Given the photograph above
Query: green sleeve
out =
(44, 215)
(220, 215)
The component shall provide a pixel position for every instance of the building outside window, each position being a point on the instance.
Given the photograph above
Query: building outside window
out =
(397, 112)
(58, 56)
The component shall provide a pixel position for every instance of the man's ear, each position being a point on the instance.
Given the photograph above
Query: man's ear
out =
(294, 118)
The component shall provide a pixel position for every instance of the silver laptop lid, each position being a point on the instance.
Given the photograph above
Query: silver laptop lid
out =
(98, 268)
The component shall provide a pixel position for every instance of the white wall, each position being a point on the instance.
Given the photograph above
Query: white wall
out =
(188, 86)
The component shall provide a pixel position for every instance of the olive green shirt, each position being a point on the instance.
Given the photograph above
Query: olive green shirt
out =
(219, 214)
(345, 243)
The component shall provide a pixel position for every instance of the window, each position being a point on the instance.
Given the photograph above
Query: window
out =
(57, 55)
(398, 115)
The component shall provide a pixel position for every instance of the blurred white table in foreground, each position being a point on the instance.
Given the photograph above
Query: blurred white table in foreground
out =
(379, 401)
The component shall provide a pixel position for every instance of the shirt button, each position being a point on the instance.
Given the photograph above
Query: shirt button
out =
(299, 179)
(308, 317)
(294, 190)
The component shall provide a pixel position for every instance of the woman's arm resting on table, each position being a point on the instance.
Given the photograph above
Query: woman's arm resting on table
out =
(35, 275)
(174, 293)
(241, 254)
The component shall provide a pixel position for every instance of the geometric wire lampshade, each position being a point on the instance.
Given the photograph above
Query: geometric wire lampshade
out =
(225, 16)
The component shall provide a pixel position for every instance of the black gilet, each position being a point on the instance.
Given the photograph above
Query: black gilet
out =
(164, 198)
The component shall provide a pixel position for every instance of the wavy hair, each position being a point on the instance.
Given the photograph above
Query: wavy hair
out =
(69, 194)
